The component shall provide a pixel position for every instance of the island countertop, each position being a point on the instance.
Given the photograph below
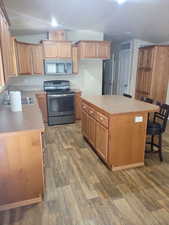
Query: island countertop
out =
(30, 118)
(116, 104)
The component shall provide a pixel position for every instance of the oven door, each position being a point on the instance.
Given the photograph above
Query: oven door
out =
(60, 104)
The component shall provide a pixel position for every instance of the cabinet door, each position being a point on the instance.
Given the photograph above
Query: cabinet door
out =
(102, 140)
(75, 60)
(88, 50)
(103, 50)
(146, 56)
(5, 46)
(58, 35)
(92, 131)
(143, 83)
(85, 124)
(37, 59)
(53, 49)
(77, 105)
(24, 58)
(43, 105)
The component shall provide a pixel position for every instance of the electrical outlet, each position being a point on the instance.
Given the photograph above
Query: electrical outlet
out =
(138, 119)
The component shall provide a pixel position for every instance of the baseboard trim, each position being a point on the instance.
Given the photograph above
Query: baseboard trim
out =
(21, 203)
(116, 168)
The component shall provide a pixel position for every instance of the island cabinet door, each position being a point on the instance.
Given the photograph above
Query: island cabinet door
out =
(92, 130)
(85, 124)
(101, 141)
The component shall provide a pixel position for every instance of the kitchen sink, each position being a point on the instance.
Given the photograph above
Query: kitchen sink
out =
(25, 101)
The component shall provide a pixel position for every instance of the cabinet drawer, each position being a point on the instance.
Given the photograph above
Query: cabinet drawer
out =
(92, 112)
(102, 119)
(84, 107)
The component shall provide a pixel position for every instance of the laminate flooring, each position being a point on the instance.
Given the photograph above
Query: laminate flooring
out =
(81, 190)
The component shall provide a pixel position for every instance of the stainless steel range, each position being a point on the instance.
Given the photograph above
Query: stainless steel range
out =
(60, 102)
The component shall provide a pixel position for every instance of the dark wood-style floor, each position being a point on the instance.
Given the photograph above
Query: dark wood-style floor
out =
(80, 190)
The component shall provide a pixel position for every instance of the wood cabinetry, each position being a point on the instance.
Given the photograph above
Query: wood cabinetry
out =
(37, 59)
(24, 58)
(58, 35)
(29, 58)
(95, 129)
(95, 49)
(41, 97)
(21, 169)
(102, 140)
(57, 49)
(153, 73)
(78, 105)
(5, 46)
(75, 59)
(108, 123)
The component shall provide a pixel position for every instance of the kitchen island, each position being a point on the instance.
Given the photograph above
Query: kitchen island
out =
(115, 126)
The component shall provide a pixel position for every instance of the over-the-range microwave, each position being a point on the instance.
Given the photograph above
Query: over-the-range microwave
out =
(57, 67)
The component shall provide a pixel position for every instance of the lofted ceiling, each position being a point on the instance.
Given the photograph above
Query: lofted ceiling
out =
(144, 19)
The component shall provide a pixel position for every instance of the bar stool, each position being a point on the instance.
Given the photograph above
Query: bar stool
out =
(157, 127)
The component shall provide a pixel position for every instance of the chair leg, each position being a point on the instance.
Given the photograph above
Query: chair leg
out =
(160, 148)
(152, 141)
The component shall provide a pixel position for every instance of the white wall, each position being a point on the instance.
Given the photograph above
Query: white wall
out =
(89, 79)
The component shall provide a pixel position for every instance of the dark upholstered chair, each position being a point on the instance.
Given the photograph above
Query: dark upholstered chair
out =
(157, 127)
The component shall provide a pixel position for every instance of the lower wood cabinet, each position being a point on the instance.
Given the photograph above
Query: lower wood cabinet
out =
(41, 97)
(91, 129)
(21, 169)
(101, 140)
(94, 130)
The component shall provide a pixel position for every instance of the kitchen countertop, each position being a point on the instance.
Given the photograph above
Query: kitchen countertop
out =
(29, 119)
(116, 104)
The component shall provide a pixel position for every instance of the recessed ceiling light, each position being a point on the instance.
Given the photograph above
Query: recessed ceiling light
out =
(120, 1)
(54, 22)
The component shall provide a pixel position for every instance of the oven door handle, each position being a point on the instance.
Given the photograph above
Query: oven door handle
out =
(59, 96)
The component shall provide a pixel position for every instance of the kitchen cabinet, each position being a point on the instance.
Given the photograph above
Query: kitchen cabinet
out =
(108, 124)
(5, 46)
(152, 73)
(41, 97)
(85, 124)
(24, 58)
(92, 133)
(21, 169)
(78, 105)
(13, 64)
(57, 49)
(95, 49)
(37, 59)
(29, 58)
(75, 59)
(58, 35)
(102, 140)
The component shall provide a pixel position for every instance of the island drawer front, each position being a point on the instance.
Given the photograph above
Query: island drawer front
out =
(103, 119)
(92, 112)
(85, 107)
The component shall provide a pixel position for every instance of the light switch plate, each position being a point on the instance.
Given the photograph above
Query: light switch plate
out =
(138, 119)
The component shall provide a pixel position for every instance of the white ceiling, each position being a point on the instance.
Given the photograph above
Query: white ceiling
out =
(144, 19)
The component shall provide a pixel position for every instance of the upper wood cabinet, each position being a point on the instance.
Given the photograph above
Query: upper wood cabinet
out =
(37, 59)
(5, 46)
(153, 73)
(24, 58)
(58, 35)
(29, 58)
(95, 49)
(57, 49)
(75, 59)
